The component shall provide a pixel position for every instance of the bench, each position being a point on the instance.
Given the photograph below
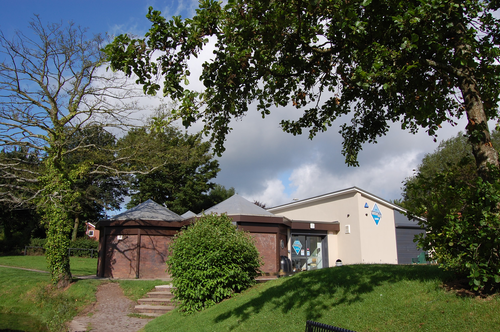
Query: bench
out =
(319, 327)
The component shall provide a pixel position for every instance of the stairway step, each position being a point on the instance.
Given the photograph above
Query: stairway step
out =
(151, 314)
(162, 294)
(157, 301)
(147, 308)
(265, 279)
(163, 287)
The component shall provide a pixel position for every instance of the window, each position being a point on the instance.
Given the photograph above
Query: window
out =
(91, 233)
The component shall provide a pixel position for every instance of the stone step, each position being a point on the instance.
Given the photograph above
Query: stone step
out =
(164, 287)
(157, 301)
(151, 314)
(265, 279)
(161, 294)
(156, 309)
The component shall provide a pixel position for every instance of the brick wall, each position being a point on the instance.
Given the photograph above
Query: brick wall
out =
(121, 256)
(266, 245)
(154, 253)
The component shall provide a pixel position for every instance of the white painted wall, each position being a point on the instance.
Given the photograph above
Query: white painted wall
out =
(367, 242)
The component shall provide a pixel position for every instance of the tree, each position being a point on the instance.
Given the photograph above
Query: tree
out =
(420, 63)
(217, 194)
(17, 221)
(454, 153)
(460, 210)
(211, 260)
(183, 180)
(98, 191)
(53, 84)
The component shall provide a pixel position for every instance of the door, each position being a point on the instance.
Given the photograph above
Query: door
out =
(307, 253)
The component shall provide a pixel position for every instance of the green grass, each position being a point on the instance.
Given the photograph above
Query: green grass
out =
(79, 266)
(29, 295)
(29, 303)
(357, 297)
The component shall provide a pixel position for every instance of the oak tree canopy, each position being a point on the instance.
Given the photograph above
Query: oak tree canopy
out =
(417, 63)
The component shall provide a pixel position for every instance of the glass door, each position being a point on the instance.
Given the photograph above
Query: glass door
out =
(307, 253)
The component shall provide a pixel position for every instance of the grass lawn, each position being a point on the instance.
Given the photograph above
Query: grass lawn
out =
(80, 266)
(356, 297)
(29, 303)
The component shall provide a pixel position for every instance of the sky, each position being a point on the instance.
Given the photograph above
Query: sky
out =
(261, 162)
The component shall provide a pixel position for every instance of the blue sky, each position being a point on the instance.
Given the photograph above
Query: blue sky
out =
(261, 162)
(114, 17)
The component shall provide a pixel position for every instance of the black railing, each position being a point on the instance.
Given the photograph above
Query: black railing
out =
(69, 250)
(319, 327)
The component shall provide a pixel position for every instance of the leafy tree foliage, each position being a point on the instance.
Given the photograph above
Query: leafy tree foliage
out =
(461, 211)
(211, 260)
(217, 194)
(420, 63)
(462, 222)
(53, 84)
(98, 191)
(184, 177)
(18, 219)
(453, 153)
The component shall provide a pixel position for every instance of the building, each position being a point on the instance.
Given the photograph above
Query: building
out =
(91, 231)
(134, 244)
(351, 226)
(370, 230)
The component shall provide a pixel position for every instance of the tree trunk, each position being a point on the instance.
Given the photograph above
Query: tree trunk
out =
(75, 228)
(477, 127)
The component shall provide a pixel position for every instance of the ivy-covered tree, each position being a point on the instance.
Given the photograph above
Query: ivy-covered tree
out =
(53, 84)
(419, 63)
(183, 180)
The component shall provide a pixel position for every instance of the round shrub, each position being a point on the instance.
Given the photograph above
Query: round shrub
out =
(210, 260)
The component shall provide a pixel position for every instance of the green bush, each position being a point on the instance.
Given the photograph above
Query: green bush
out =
(82, 243)
(211, 260)
(463, 225)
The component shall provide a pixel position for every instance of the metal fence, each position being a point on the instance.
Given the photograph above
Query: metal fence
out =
(319, 327)
(69, 250)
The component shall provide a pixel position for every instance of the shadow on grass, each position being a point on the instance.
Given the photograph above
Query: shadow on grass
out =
(317, 291)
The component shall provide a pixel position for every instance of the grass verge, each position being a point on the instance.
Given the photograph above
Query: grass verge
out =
(29, 303)
(80, 266)
(30, 296)
(356, 297)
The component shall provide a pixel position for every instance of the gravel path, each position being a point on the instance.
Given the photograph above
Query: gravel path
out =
(109, 313)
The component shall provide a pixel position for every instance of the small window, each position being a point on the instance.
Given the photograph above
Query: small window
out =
(91, 233)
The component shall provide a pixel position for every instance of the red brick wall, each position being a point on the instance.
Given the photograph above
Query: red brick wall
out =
(154, 252)
(266, 245)
(121, 256)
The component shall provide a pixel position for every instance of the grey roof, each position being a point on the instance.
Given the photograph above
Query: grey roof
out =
(188, 214)
(336, 194)
(238, 205)
(148, 210)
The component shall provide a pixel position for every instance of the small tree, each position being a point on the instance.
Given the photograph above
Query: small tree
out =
(211, 260)
(463, 223)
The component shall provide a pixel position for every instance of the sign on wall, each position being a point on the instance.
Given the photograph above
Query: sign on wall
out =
(376, 214)
(297, 246)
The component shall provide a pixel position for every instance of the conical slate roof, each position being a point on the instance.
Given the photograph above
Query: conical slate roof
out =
(148, 210)
(238, 205)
